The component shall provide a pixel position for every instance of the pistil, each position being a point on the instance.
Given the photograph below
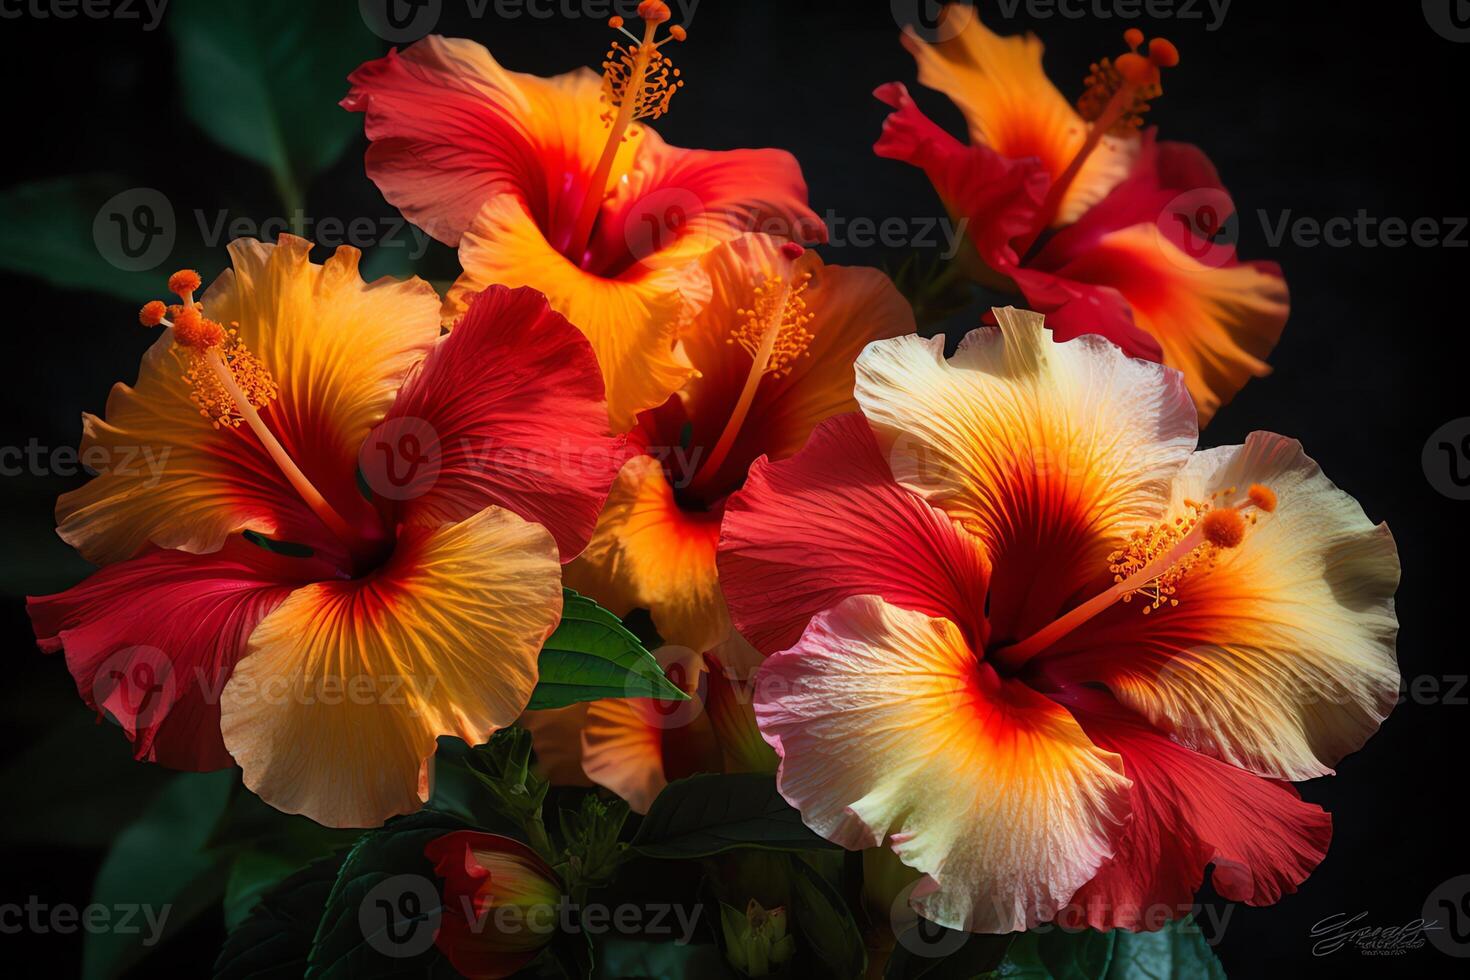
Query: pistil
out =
(638, 83)
(1151, 565)
(1116, 97)
(773, 331)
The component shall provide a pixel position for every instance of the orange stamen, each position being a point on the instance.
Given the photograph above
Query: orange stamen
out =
(774, 333)
(1152, 563)
(230, 385)
(638, 82)
(1116, 96)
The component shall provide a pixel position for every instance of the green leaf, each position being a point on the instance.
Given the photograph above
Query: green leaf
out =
(708, 814)
(971, 955)
(90, 231)
(274, 940)
(1178, 952)
(667, 961)
(160, 863)
(591, 655)
(380, 918)
(825, 925)
(263, 79)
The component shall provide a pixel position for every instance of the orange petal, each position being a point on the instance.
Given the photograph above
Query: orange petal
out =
(890, 730)
(649, 553)
(344, 687)
(1043, 449)
(633, 322)
(337, 347)
(1215, 323)
(1011, 106)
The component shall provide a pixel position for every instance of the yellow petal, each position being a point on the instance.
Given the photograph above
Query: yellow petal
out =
(633, 322)
(1043, 449)
(1011, 106)
(889, 731)
(337, 347)
(334, 709)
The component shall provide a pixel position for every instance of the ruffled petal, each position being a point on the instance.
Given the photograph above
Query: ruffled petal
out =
(334, 710)
(650, 553)
(513, 401)
(1189, 811)
(1042, 449)
(1012, 107)
(338, 349)
(1280, 658)
(830, 523)
(152, 641)
(450, 129)
(1214, 321)
(997, 197)
(633, 322)
(890, 730)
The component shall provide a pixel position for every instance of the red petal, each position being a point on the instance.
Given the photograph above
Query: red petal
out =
(1190, 810)
(507, 410)
(152, 641)
(830, 522)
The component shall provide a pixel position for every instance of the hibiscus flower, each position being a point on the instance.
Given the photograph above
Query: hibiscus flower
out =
(1020, 630)
(254, 605)
(555, 183)
(1102, 228)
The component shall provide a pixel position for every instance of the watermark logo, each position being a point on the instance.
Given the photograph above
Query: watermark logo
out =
(1448, 907)
(401, 458)
(400, 21)
(400, 915)
(1446, 459)
(135, 687)
(135, 229)
(932, 20)
(150, 12)
(1203, 225)
(1450, 19)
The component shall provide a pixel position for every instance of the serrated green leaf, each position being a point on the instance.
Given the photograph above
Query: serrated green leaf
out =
(591, 655)
(708, 814)
(1176, 952)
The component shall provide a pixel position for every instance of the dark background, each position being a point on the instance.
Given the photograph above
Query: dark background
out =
(1310, 108)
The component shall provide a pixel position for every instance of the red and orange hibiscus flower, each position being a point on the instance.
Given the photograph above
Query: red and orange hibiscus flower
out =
(328, 672)
(1100, 228)
(773, 352)
(1021, 631)
(555, 184)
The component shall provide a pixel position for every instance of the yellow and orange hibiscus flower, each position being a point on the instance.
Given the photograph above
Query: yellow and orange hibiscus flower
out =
(773, 351)
(1102, 228)
(325, 648)
(1019, 630)
(556, 184)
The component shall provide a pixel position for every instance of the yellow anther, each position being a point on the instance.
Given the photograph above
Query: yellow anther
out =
(782, 310)
(640, 76)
